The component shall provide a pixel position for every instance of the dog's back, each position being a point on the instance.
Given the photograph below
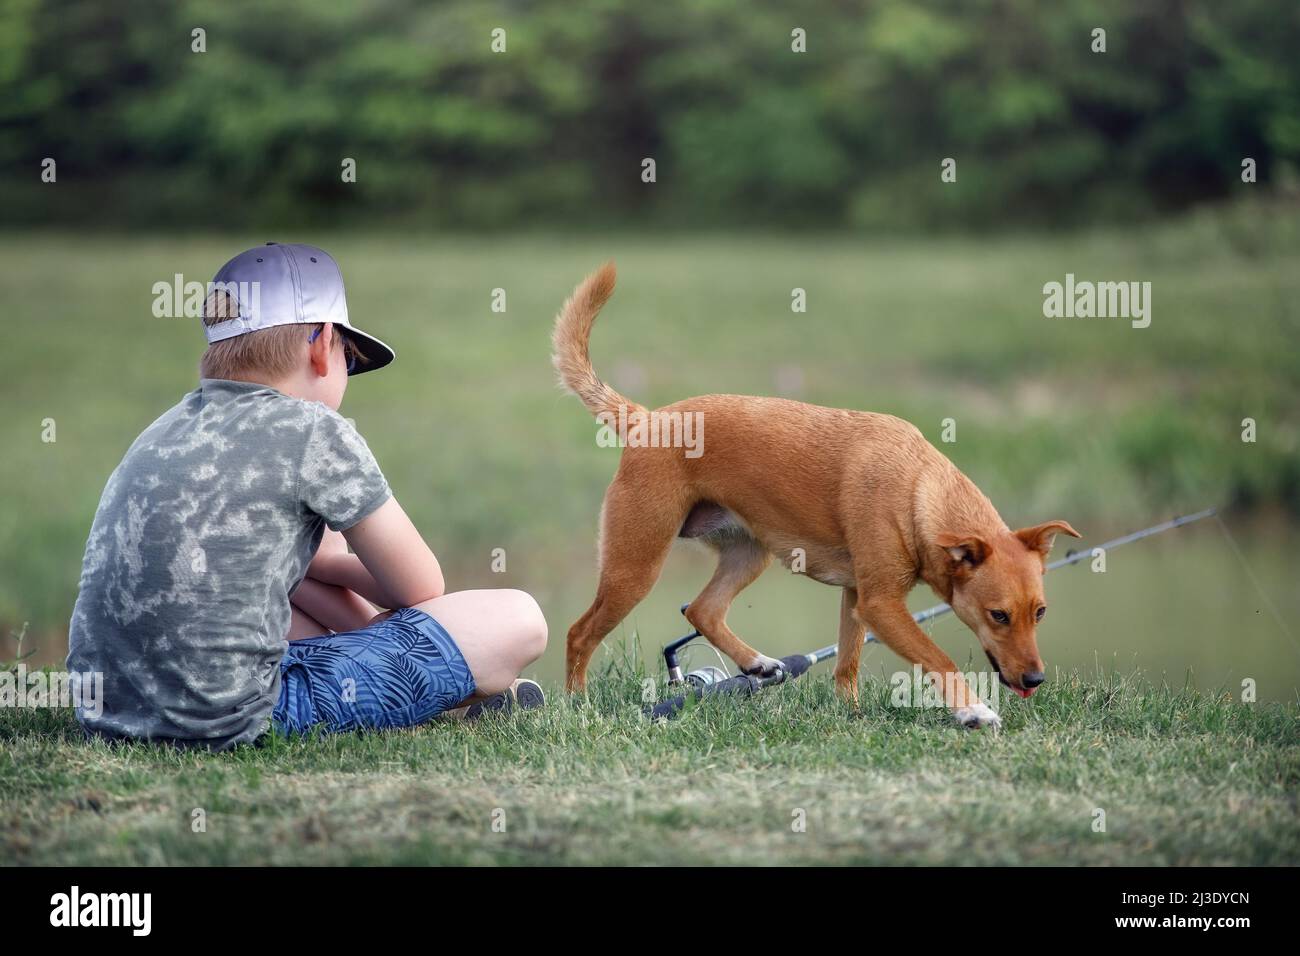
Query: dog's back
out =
(760, 444)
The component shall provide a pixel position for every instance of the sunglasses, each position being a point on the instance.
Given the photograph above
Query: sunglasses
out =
(349, 350)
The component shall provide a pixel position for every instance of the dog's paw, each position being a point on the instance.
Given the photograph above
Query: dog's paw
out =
(762, 666)
(977, 716)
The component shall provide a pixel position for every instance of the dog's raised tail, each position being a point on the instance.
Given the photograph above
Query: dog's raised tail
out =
(569, 352)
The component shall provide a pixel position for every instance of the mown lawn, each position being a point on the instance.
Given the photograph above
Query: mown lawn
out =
(1107, 426)
(1182, 778)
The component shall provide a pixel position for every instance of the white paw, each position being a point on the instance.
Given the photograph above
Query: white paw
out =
(762, 666)
(978, 715)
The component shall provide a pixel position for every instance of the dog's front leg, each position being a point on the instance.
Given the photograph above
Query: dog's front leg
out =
(890, 620)
(852, 632)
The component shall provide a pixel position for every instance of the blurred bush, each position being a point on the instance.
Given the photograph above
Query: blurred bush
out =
(744, 131)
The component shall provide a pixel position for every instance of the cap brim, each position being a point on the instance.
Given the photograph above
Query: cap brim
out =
(374, 353)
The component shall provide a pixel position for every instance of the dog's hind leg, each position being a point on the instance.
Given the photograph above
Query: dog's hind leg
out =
(852, 631)
(637, 531)
(741, 559)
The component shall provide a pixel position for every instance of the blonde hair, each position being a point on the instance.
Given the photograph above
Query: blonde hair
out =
(267, 353)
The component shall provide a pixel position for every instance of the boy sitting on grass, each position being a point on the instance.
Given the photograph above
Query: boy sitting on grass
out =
(218, 565)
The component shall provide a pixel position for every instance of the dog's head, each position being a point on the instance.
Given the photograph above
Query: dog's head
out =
(998, 593)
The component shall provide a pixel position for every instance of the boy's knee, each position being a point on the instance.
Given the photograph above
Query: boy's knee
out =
(529, 624)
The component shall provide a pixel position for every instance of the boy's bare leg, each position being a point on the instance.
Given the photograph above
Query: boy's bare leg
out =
(304, 626)
(500, 632)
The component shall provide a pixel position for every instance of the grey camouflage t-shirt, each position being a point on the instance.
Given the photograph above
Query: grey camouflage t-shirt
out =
(202, 533)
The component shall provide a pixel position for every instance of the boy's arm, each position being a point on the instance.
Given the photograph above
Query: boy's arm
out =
(392, 566)
(332, 564)
(346, 571)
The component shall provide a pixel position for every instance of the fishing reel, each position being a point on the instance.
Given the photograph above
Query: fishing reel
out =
(704, 676)
(700, 677)
(715, 681)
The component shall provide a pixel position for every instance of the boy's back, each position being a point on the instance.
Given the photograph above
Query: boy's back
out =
(202, 532)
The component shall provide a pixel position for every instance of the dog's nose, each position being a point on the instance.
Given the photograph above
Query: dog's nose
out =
(1032, 679)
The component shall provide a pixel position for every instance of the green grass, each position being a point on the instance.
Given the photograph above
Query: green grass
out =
(1183, 778)
(1087, 420)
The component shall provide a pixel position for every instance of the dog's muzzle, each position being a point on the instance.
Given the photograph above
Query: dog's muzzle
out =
(1022, 691)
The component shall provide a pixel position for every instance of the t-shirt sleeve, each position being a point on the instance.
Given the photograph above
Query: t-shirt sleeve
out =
(340, 479)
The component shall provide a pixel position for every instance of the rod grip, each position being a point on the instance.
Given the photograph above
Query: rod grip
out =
(741, 684)
(794, 665)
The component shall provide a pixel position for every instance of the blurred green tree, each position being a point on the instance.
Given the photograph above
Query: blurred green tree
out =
(744, 130)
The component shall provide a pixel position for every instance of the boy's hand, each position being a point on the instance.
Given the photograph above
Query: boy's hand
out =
(346, 571)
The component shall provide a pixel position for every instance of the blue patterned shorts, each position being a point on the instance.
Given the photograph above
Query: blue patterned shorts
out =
(397, 673)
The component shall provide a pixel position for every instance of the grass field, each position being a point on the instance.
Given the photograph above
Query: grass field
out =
(1093, 421)
(1182, 778)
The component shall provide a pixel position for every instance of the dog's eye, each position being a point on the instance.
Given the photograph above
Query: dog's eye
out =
(1000, 617)
(1038, 615)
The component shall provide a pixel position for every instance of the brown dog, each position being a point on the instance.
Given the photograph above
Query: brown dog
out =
(856, 500)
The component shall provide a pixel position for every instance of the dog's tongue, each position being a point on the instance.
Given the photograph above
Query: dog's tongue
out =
(1025, 693)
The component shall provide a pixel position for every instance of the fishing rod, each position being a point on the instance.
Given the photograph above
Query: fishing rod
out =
(711, 681)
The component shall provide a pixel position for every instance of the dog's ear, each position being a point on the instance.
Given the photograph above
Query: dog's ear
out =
(1040, 537)
(967, 551)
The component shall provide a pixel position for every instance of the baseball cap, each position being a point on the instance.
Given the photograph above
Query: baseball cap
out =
(288, 284)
